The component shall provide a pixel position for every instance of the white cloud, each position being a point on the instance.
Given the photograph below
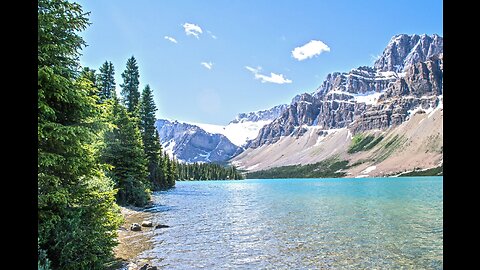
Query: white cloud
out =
(170, 39)
(309, 50)
(273, 78)
(208, 65)
(212, 35)
(254, 70)
(192, 29)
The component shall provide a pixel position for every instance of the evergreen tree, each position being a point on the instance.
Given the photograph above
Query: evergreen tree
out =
(205, 171)
(160, 173)
(149, 133)
(124, 151)
(106, 81)
(77, 215)
(172, 173)
(130, 92)
(89, 74)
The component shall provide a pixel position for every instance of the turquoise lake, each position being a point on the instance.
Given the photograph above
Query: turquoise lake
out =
(365, 223)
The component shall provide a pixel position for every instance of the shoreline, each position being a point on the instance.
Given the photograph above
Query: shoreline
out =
(132, 243)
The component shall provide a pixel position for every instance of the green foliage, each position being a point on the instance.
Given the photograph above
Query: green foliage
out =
(89, 74)
(124, 151)
(106, 81)
(77, 216)
(150, 138)
(171, 172)
(59, 45)
(391, 142)
(130, 93)
(436, 171)
(329, 168)
(363, 143)
(207, 171)
(43, 261)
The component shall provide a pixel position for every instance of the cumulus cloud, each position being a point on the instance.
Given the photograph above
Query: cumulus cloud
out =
(208, 65)
(273, 78)
(309, 50)
(192, 29)
(170, 39)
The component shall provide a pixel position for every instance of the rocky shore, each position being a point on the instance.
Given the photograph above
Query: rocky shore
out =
(134, 237)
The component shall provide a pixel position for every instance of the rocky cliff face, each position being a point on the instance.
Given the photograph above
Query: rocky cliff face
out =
(404, 50)
(213, 143)
(406, 78)
(420, 90)
(190, 143)
(263, 115)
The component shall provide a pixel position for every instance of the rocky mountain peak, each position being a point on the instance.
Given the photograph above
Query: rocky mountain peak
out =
(263, 115)
(408, 76)
(404, 50)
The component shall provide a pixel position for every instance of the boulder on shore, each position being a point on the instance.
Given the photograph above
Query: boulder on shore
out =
(147, 223)
(148, 267)
(135, 227)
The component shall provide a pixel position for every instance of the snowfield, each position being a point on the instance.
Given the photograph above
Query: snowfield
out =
(237, 133)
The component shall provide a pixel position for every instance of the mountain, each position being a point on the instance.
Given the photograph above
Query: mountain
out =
(366, 102)
(197, 142)
(265, 115)
(190, 143)
(245, 126)
(404, 50)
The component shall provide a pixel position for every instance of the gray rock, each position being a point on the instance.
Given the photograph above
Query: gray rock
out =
(420, 88)
(135, 227)
(148, 267)
(193, 144)
(333, 105)
(147, 223)
(269, 114)
(404, 50)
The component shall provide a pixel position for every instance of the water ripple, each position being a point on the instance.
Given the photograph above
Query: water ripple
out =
(300, 224)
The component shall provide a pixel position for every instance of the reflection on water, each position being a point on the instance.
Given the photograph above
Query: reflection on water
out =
(300, 224)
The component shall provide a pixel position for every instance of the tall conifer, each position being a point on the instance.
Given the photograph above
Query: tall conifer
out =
(151, 141)
(124, 151)
(106, 81)
(130, 92)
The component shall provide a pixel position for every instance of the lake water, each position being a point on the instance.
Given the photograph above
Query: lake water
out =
(367, 223)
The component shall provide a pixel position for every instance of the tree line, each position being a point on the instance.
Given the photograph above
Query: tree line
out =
(207, 171)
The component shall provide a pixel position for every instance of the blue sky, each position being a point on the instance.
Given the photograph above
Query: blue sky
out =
(245, 47)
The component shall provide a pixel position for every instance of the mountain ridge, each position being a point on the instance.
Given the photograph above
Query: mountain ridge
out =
(404, 83)
(345, 96)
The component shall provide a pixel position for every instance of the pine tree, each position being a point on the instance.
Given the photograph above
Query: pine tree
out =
(172, 173)
(106, 81)
(77, 215)
(90, 75)
(124, 151)
(150, 136)
(130, 92)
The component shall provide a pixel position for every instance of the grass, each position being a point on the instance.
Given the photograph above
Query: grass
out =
(361, 142)
(329, 168)
(388, 147)
(436, 171)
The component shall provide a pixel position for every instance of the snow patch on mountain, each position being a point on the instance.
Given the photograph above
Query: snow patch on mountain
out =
(368, 98)
(238, 133)
(168, 147)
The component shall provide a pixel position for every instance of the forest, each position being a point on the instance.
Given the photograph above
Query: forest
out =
(96, 150)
